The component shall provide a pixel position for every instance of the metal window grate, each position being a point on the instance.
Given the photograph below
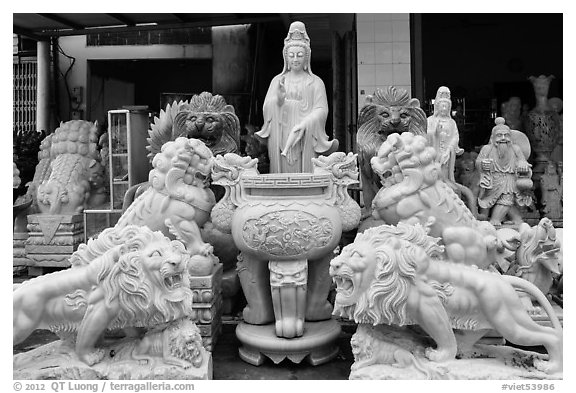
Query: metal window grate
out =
(24, 95)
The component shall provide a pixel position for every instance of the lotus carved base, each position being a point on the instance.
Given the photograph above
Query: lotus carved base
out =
(317, 345)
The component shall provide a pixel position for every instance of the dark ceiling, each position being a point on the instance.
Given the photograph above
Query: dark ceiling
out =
(43, 26)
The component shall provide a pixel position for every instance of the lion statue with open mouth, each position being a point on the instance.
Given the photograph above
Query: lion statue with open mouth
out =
(128, 277)
(396, 276)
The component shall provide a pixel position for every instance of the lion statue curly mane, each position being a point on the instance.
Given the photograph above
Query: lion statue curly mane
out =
(206, 117)
(398, 276)
(389, 110)
(178, 344)
(128, 277)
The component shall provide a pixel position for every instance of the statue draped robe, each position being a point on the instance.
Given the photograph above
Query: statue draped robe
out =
(306, 103)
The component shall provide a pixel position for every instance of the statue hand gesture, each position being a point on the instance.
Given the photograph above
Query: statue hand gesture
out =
(522, 167)
(281, 90)
(486, 165)
(294, 137)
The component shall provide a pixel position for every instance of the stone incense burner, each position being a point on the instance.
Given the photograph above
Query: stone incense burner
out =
(286, 227)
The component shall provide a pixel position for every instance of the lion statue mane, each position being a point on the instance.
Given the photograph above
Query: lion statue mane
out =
(395, 275)
(205, 117)
(128, 277)
(389, 110)
(178, 344)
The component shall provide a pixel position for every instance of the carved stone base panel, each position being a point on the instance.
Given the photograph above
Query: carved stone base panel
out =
(21, 261)
(51, 361)
(385, 352)
(288, 286)
(207, 305)
(19, 249)
(317, 345)
(53, 238)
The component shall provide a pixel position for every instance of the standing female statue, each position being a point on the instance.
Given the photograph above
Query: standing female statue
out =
(295, 110)
(443, 135)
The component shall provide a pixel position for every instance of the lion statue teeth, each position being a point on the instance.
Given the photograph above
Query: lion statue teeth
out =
(395, 275)
(128, 277)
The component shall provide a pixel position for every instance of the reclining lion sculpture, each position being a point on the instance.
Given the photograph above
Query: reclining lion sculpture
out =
(128, 277)
(395, 275)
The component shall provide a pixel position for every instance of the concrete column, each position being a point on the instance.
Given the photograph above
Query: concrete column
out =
(43, 87)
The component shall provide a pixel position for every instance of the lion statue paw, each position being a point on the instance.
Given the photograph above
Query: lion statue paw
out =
(93, 357)
(438, 355)
(547, 366)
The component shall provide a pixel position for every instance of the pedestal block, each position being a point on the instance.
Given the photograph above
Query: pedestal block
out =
(207, 305)
(53, 238)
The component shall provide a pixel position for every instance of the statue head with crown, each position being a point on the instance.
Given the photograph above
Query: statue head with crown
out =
(442, 102)
(297, 45)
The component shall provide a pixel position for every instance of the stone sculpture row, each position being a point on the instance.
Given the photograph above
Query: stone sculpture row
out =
(422, 256)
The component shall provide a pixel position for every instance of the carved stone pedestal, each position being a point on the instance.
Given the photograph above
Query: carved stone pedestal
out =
(54, 361)
(385, 352)
(207, 305)
(19, 250)
(316, 346)
(53, 238)
(20, 234)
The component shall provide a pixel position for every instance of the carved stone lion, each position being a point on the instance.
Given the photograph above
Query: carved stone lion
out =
(75, 162)
(179, 201)
(413, 192)
(388, 111)
(393, 275)
(370, 347)
(539, 256)
(127, 277)
(206, 117)
(179, 344)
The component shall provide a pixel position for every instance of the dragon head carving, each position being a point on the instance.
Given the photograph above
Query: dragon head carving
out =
(227, 168)
(539, 253)
(341, 166)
